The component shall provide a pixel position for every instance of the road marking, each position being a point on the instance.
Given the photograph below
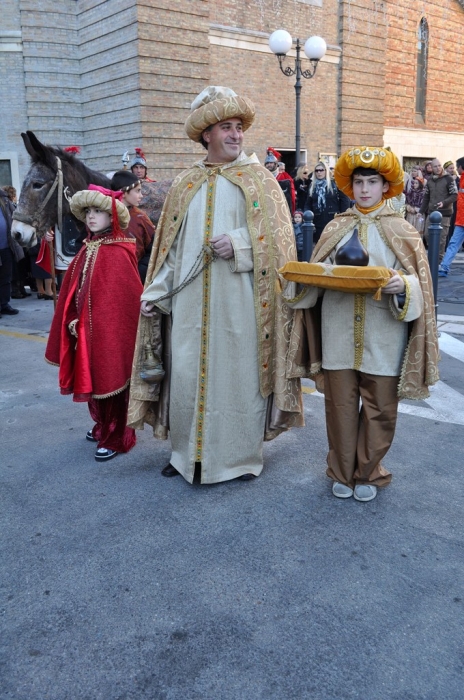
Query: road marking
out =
(446, 405)
(451, 346)
(308, 390)
(24, 336)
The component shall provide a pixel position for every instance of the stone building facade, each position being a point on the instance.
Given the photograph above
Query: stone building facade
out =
(110, 75)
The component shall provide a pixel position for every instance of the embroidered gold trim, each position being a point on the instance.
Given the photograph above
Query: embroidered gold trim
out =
(407, 289)
(113, 393)
(359, 320)
(204, 340)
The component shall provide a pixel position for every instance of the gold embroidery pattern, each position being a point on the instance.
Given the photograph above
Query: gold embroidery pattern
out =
(202, 379)
(359, 318)
(407, 289)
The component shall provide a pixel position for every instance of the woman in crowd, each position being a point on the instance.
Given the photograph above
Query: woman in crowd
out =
(324, 199)
(302, 183)
(414, 198)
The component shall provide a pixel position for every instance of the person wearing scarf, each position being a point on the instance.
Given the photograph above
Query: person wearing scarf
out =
(324, 199)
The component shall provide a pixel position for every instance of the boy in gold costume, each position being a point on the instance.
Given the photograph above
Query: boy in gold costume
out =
(376, 352)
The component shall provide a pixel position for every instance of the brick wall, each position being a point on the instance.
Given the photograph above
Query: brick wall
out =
(445, 74)
(13, 114)
(51, 70)
(362, 32)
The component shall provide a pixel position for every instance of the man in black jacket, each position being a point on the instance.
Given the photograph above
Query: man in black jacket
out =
(6, 254)
(439, 195)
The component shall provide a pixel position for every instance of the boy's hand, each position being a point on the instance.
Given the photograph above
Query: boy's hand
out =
(396, 284)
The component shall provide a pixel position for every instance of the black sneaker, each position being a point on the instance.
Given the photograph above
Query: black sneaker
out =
(9, 311)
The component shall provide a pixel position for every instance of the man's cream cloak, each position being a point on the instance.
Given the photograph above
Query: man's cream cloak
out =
(230, 329)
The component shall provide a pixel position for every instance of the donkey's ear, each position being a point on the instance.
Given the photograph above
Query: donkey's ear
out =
(28, 145)
(38, 151)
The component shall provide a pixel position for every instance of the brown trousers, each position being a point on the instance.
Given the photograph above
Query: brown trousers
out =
(445, 223)
(359, 439)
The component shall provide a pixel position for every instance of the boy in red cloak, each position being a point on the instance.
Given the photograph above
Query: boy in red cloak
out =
(93, 332)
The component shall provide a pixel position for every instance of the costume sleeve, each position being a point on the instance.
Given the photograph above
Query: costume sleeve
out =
(163, 282)
(414, 302)
(243, 252)
(452, 192)
(297, 297)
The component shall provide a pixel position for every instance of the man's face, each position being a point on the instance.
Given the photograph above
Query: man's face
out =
(271, 166)
(224, 141)
(281, 167)
(139, 171)
(368, 190)
(436, 167)
(451, 170)
(460, 169)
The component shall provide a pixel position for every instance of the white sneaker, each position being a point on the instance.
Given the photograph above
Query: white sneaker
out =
(341, 491)
(365, 492)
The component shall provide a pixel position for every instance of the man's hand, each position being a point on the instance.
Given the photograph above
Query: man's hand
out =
(396, 284)
(147, 308)
(222, 246)
(439, 205)
(49, 235)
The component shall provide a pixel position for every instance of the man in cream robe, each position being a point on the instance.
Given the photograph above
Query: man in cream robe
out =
(230, 330)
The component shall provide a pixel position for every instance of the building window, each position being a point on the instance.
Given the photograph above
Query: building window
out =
(421, 79)
(5, 173)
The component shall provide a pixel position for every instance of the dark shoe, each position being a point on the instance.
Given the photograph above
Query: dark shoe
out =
(90, 437)
(170, 471)
(442, 273)
(40, 295)
(247, 477)
(102, 454)
(9, 311)
(48, 297)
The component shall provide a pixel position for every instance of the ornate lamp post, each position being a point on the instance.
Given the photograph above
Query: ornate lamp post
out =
(280, 43)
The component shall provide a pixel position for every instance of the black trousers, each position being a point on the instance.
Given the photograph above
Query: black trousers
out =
(6, 272)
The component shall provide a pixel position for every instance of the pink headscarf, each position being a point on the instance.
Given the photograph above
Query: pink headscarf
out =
(108, 193)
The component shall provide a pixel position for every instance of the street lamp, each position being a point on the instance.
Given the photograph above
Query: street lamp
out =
(280, 43)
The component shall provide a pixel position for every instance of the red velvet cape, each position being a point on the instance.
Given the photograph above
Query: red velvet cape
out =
(102, 290)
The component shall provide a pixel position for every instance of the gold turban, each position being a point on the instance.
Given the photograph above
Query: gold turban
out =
(380, 159)
(214, 105)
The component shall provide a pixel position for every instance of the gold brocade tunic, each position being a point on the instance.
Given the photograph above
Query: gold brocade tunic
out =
(230, 329)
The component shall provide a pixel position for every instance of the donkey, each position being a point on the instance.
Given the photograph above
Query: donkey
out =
(54, 176)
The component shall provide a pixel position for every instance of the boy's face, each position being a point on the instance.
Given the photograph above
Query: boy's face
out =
(97, 220)
(298, 218)
(133, 197)
(368, 190)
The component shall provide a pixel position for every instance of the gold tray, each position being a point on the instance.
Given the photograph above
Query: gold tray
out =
(340, 278)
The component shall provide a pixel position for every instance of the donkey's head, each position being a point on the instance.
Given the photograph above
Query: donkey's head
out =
(43, 193)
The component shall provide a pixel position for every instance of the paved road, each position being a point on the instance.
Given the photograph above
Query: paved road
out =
(119, 584)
